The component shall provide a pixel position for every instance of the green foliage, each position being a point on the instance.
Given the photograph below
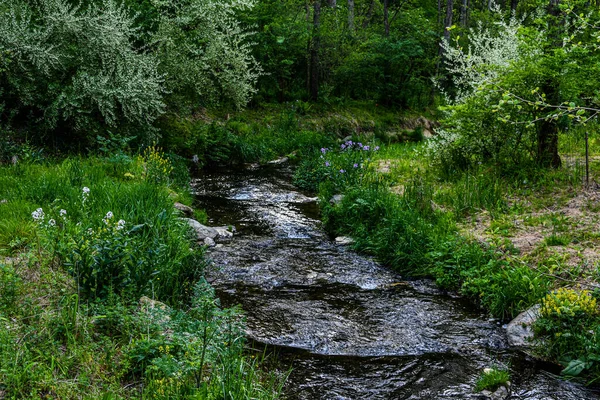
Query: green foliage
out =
(568, 327)
(241, 142)
(75, 68)
(342, 168)
(78, 302)
(492, 379)
(205, 53)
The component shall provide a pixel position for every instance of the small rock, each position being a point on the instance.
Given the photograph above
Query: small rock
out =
(337, 199)
(502, 393)
(187, 211)
(209, 242)
(427, 134)
(518, 331)
(279, 161)
(202, 231)
(224, 231)
(344, 240)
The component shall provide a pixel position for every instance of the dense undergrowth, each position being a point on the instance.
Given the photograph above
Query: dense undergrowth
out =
(416, 219)
(102, 292)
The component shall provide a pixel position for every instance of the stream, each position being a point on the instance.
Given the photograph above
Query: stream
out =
(347, 327)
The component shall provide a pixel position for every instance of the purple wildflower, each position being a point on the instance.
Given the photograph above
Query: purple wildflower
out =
(343, 146)
(342, 171)
(376, 148)
(366, 148)
(355, 165)
(327, 164)
(323, 150)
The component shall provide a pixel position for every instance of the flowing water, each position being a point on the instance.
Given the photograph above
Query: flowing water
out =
(348, 327)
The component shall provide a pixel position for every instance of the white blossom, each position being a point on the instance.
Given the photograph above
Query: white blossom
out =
(108, 217)
(38, 215)
(52, 222)
(120, 224)
(62, 213)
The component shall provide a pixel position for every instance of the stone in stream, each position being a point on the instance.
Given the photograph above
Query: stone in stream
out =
(186, 210)
(344, 240)
(203, 231)
(518, 331)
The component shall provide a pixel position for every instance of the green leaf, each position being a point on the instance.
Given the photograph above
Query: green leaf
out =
(575, 367)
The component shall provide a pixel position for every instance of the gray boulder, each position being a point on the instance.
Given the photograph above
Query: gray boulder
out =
(187, 211)
(518, 331)
(344, 240)
(202, 231)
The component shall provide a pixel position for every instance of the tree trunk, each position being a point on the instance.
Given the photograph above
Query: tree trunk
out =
(439, 14)
(386, 20)
(367, 20)
(513, 6)
(351, 15)
(314, 52)
(547, 130)
(447, 23)
(333, 3)
(463, 12)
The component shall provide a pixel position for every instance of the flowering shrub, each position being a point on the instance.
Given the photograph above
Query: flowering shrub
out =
(568, 303)
(155, 168)
(568, 326)
(342, 166)
(108, 255)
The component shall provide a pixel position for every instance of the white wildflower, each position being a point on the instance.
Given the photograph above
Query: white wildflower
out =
(85, 193)
(62, 213)
(120, 224)
(108, 217)
(52, 222)
(38, 215)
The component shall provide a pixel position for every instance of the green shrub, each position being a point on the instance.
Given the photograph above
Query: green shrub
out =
(492, 379)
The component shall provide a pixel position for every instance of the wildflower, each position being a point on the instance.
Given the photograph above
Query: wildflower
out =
(195, 159)
(376, 148)
(62, 212)
(108, 217)
(85, 193)
(327, 164)
(366, 148)
(38, 215)
(120, 224)
(342, 171)
(355, 165)
(360, 145)
(52, 222)
(343, 146)
(323, 150)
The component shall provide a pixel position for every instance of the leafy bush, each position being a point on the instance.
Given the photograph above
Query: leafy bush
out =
(568, 326)
(75, 67)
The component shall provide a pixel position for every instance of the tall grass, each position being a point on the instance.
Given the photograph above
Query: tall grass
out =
(80, 291)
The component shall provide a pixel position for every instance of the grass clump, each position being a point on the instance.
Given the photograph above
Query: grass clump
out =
(491, 379)
(102, 292)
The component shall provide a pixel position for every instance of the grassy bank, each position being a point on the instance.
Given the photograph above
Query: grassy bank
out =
(102, 292)
(505, 240)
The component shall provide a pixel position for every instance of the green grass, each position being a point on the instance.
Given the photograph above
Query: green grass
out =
(492, 379)
(71, 286)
